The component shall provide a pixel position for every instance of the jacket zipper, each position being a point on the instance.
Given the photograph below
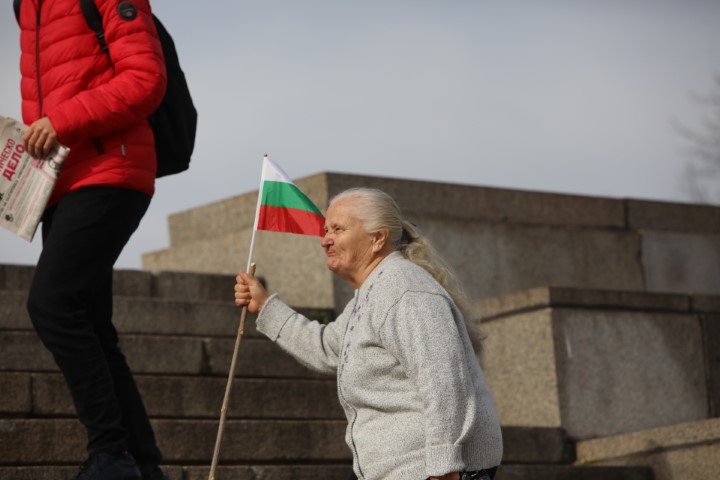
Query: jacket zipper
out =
(37, 60)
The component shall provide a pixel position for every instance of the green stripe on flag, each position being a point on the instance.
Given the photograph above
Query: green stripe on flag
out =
(287, 195)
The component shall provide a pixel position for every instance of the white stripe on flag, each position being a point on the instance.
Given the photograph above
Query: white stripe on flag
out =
(272, 172)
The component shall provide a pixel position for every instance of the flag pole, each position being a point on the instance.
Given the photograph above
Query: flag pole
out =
(241, 329)
(257, 212)
(228, 387)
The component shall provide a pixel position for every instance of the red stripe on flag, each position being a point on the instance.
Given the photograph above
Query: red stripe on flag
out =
(290, 220)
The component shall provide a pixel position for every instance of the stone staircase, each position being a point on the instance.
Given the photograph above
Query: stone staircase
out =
(177, 331)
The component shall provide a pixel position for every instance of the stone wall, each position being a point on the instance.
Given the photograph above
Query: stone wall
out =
(498, 241)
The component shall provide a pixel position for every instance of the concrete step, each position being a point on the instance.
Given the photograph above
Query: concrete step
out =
(137, 283)
(62, 441)
(49, 441)
(572, 472)
(161, 316)
(145, 315)
(237, 472)
(55, 441)
(191, 286)
(166, 355)
(339, 472)
(45, 395)
(148, 316)
(688, 450)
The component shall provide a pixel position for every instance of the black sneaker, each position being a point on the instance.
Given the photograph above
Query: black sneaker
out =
(106, 466)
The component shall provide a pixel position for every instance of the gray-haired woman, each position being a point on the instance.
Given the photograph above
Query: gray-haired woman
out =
(408, 379)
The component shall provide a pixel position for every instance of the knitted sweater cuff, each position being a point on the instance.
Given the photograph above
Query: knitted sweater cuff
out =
(273, 317)
(442, 459)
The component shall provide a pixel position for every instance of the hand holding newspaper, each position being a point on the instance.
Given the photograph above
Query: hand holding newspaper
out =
(25, 182)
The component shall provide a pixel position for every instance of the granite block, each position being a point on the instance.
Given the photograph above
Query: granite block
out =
(173, 317)
(673, 217)
(194, 286)
(626, 371)
(705, 303)
(683, 263)
(28, 442)
(132, 283)
(543, 297)
(23, 352)
(520, 369)
(433, 199)
(201, 397)
(572, 472)
(13, 311)
(690, 450)
(274, 472)
(256, 358)
(164, 354)
(247, 441)
(16, 397)
(62, 441)
(711, 350)
(16, 277)
(536, 445)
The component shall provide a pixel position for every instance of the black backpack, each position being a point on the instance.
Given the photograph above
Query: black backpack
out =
(174, 123)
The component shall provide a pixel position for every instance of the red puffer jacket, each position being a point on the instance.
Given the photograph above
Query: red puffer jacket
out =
(98, 106)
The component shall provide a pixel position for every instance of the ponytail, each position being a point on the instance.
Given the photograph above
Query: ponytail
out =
(416, 248)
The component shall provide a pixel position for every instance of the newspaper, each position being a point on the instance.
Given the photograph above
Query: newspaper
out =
(25, 182)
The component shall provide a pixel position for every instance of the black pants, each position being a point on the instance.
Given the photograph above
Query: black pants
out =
(70, 305)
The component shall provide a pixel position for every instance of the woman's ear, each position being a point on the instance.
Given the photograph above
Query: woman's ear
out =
(380, 240)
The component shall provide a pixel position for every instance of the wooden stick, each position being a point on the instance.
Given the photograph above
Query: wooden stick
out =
(228, 388)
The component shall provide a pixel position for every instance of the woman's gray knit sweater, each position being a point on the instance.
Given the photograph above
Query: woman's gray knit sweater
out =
(411, 387)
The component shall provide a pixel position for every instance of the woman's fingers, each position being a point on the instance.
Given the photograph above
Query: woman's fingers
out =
(242, 293)
(243, 290)
(250, 292)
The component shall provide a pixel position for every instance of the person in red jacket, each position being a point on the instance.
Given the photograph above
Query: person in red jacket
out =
(97, 104)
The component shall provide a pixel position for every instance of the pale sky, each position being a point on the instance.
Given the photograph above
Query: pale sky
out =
(563, 96)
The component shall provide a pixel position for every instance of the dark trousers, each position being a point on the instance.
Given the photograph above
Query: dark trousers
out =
(70, 305)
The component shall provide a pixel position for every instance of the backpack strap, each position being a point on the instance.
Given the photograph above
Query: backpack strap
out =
(16, 7)
(94, 21)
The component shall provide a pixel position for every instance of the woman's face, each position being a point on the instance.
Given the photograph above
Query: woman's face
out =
(348, 247)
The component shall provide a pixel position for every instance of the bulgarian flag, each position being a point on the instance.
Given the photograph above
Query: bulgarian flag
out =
(282, 207)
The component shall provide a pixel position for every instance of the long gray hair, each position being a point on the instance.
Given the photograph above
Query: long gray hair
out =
(377, 210)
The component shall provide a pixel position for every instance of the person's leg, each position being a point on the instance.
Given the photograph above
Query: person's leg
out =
(141, 438)
(82, 237)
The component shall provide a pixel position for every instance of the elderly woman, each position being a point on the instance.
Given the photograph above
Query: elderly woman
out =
(408, 379)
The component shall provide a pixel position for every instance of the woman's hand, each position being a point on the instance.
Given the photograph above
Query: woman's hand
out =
(448, 476)
(248, 291)
(40, 138)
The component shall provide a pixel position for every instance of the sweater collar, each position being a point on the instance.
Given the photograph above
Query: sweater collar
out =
(377, 271)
